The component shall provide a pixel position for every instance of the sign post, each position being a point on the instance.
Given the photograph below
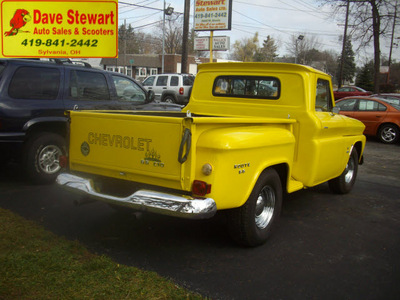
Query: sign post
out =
(211, 45)
(59, 29)
(212, 15)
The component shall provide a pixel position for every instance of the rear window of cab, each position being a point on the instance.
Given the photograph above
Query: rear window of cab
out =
(247, 87)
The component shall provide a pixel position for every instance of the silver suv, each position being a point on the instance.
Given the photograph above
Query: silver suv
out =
(172, 88)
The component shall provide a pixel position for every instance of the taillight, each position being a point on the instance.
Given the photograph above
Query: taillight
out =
(181, 91)
(63, 161)
(201, 188)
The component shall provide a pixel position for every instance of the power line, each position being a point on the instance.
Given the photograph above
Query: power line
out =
(141, 6)
(259, 22)
(142, 16)
(280, 8)
(297, 9)
(136, 7)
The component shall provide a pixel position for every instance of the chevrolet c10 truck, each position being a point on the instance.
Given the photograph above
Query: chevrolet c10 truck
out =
(250, 133)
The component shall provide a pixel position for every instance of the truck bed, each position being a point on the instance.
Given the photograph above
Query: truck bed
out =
(146, 147)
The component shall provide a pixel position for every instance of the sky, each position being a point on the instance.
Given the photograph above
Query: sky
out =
(280, 19)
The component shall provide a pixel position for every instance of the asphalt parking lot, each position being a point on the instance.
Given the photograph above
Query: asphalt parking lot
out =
(325, 247)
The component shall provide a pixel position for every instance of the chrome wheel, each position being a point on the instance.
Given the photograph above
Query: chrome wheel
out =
(49, 158)
(349, 172)
(252, 223)
(345, 181)
(265, 207)
(388, 134)
(168, 100)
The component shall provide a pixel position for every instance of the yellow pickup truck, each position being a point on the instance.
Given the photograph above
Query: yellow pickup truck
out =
(250, 133)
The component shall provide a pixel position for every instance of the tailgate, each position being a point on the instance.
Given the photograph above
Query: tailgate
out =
(142, 148)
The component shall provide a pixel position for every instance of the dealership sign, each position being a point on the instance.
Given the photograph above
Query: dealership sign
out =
(220, 43)
(59, 28)
(212, 15)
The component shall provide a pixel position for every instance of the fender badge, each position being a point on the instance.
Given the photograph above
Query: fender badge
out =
(85, 149)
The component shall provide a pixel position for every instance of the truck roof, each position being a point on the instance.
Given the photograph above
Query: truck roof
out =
(257, 66)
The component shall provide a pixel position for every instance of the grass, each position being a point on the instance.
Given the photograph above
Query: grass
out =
(36, 264)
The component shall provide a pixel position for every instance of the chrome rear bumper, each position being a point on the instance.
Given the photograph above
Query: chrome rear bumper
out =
(145, 200)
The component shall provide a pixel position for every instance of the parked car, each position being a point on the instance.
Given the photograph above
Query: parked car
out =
(347, 91)
(388, 97)
(172, 88)
(33, 97)
(380, 118)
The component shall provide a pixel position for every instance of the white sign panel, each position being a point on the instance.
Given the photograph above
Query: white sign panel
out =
(212, 15)
(221, 43)
(202, 44)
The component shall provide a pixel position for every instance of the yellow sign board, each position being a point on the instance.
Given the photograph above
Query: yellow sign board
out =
(59, 28)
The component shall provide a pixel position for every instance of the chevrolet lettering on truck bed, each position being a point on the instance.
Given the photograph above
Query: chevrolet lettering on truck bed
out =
(250, 133)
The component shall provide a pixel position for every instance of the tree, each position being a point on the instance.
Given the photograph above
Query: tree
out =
(349, 66)
(300, 44)
(131, 42)
(370, 20)
(127, 40)
(268, 52)
(173, 35)
(395, 75)
(365, 78)
(245, 49)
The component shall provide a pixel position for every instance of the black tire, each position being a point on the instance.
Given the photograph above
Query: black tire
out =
(42, 154)
(169, 99)
(251, 224)
(344, 183)
(388, 134)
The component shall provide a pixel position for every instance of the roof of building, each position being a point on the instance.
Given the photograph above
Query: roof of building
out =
(139, 60)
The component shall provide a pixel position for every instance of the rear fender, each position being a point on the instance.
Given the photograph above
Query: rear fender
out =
(238, 156)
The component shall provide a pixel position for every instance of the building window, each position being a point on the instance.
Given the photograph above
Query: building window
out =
(141, 72)
(153, 71)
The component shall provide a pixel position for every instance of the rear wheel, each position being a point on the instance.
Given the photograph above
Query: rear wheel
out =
(42, 156)
(388, 134)
(344, 183)
(252, 223)
(169, 99)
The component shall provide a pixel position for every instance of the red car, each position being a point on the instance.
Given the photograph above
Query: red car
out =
(381, 119)
(389, 97)
(347, 91)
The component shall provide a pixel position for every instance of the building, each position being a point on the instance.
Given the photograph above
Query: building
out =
(139, 66)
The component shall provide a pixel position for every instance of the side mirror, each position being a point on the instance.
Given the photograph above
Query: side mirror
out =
(336, 110)
(150, 96)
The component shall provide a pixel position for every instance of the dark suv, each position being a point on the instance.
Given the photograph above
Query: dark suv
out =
(33, 97)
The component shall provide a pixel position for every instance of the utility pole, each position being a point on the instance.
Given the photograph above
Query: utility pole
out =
(185, 38)
(391, 42)
(344, 45)
(163, 41)
(166, 11)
